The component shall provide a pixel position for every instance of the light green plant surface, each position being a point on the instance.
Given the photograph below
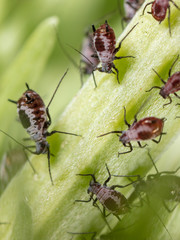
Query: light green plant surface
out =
(37, 210)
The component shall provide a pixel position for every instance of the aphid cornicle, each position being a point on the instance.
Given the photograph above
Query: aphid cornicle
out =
(171, 86)
(145, 129)
(35, 118)
(105, 46)
(113, 201)
(159, 9)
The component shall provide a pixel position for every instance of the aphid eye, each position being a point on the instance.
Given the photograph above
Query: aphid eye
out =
(28, 97)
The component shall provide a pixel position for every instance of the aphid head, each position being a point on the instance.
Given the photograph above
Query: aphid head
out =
(107, 67)
(42, 147)
(93, 185)
(123, 137)
(163, 93)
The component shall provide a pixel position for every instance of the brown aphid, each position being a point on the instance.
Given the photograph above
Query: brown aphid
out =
(113, 201)
(35, 118)
(105, 46)
(171, 86)
(145, 129)
(159, 9)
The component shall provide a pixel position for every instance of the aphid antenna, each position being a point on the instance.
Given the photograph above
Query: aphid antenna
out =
(120, 43)
(153, 163)
(158, 218)
(87, 60)
(109, 133)
(63, 49)
(89, 174)
(173, 64)
(27, 86)
(56, 89)
(23, 146)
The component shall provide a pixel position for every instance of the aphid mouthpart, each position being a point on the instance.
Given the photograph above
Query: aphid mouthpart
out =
(145, 129)
(36, 119)
(171, 86)
(105, 46)
(159, 9)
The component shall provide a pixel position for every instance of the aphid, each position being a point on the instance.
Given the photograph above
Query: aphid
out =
(145, 129)
(171, 86)
(159, 9)
(161, 185)
(113, 201)
(36, 119)
(131, 7)
(87, 63)
(105, 46)
(165, 185)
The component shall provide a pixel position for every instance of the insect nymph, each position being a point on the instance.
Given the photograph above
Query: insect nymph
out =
(113, 201)
(35, 118)
(159, 9)
(171, 86)
(145, 129)
(105, 46)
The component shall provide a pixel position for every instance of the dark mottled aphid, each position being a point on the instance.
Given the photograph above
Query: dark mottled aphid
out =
(161, 185)
(113, 201)
(105, 46)
(171, 86)
(159, 9)
(144, 129)
(35, 118)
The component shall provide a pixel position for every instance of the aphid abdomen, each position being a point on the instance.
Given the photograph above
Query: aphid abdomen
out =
(145, 129)
(105, 43)
(159, 9)
(173, 84)
(112, 200)
(32, 114)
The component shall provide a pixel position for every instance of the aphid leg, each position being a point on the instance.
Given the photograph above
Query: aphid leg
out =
(158, 141)
(125, 121)
(117, 217)
(12, 101)
(49, 165)
(170, 101)
(146, 7)
(141, 145)
(159, 76)
(117, 71)
(49, 117)
(130, 146)
(84, 200)
(53, 132)
(152, 88)
(95, 84)
(169, 22)
(173, 65)
(102, 213)
(117, 49)
(109, 177)
(27, 139)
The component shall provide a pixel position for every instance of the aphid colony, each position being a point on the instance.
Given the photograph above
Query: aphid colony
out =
(100, 47)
